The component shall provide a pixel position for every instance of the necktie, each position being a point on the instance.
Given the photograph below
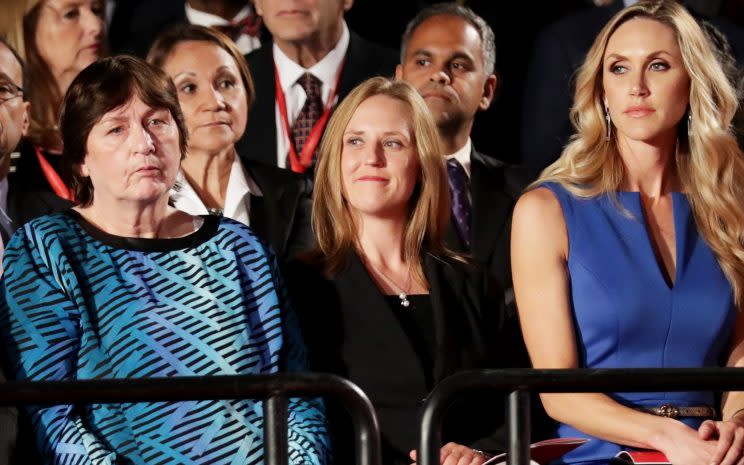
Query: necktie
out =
(310, 112)
(461, 209)
(250, 25)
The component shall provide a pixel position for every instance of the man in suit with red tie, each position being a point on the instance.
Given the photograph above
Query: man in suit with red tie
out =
(448, 54)
(314, 62)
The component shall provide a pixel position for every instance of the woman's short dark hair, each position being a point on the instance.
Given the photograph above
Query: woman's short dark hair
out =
(101, 87)
(167, 41)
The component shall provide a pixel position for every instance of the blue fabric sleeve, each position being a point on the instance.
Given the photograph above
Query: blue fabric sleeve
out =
(40, 324)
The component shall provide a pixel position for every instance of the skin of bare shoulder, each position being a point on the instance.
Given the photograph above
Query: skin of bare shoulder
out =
(538, 213)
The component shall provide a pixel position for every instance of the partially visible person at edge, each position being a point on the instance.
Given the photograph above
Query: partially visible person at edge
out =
(57, 39)
(382, 302)
(15, 446)
(215, 91)
(126, 286)
(628, 251)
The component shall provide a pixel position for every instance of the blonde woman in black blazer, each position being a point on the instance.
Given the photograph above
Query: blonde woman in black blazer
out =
(382, 302)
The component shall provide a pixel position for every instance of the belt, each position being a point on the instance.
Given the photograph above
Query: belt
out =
(673, 411)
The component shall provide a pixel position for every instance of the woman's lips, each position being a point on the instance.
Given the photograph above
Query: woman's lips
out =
(638, 111)
(372, 178)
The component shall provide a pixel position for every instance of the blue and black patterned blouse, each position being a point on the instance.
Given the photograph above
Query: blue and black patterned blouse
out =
(79, 303)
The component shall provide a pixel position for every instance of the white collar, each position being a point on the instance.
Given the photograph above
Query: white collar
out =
(326, 69)
(463, 156)
(202, 18)
(240, 187)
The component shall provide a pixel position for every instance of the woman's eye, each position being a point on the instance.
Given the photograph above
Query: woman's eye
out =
(354, 141)
(618, 69)
(156, 122)
(227, 84)
(393, 143)
(187, 88)
(116, 130)
(659, 66)
(72, 14)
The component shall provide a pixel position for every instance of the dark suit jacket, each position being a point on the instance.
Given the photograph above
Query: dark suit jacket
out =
(363, 60)
(282, 215)
(350, 330)
(29, 193)
(494, 189)
(548, 92)
(136, 23)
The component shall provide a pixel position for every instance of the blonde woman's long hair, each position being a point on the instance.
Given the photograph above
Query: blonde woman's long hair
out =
(709, 161)
(332, 218)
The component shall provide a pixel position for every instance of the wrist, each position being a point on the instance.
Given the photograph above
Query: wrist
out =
(661, 436)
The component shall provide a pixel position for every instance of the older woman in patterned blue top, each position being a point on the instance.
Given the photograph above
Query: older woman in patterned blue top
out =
(125, 286)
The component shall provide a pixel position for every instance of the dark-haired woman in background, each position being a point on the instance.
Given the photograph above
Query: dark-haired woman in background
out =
(126, 286)
(215, 90)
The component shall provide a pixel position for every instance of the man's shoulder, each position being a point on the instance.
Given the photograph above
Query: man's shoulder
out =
(513, 178)
(259, 58)
(271, 177)
(372, 58)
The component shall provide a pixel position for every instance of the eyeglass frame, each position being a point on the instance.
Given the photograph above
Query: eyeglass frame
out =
(18, 91)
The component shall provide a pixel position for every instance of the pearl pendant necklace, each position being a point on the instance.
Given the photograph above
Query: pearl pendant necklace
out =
(404, 299)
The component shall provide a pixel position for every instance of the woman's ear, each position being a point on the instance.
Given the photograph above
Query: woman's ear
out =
(83, 170)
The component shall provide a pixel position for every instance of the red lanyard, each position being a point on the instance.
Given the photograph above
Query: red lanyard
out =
(299, 164)
(52, 177)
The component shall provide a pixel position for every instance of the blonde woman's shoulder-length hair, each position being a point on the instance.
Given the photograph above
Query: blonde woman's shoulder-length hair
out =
(332, 219)
(709, 161)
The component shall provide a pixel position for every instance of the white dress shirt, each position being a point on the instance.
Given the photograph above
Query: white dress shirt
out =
(245, 42)
(294, 95)
(463, 156)
(240, 187)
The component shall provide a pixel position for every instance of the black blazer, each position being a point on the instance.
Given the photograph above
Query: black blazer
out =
(495, 187)
(363, 60)
(29, 193)
(350, 330)
(282, 215)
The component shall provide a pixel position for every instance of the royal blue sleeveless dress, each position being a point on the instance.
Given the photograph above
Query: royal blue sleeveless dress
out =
(626, 315)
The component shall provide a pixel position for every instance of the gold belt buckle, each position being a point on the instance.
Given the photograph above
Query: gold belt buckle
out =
(669, 411)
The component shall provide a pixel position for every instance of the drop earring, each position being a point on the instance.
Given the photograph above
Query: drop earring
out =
(689, 124)
(608, 137)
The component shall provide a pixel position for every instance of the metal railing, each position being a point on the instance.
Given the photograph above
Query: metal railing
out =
(520, 382)
(274, 389)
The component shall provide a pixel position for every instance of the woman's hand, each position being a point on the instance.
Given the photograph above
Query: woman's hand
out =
(730, 440)
(457, 454)
(684, 445)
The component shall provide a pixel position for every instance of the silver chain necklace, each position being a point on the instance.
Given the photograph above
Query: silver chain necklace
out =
(402, 293)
